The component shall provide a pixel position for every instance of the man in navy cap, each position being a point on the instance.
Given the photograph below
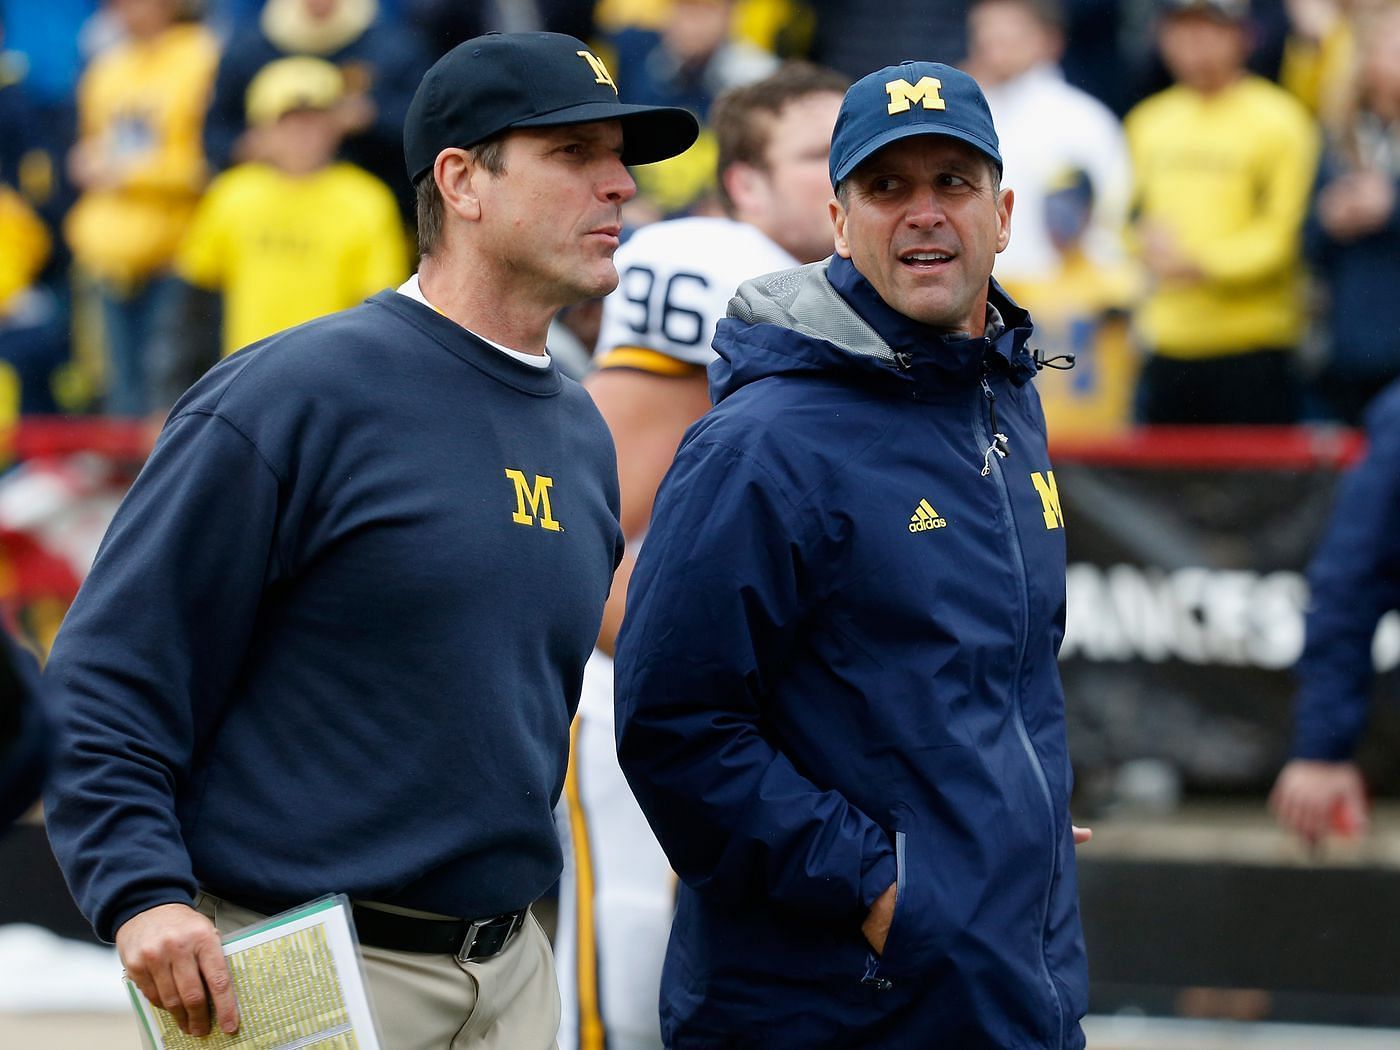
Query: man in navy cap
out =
(837, 694)
(335, 636)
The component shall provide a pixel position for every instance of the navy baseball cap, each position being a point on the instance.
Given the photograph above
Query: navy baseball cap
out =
(912, 98)
(530, 80)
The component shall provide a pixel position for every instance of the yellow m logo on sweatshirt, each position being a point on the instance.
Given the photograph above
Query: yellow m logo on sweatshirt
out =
(532, 501)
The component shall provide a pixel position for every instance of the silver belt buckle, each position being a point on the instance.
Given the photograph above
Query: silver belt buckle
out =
(474, 931)
(469, 941)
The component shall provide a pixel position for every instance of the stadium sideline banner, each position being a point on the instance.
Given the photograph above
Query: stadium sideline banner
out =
(1186, 596)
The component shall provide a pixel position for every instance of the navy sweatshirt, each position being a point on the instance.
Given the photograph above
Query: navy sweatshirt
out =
(334, 638)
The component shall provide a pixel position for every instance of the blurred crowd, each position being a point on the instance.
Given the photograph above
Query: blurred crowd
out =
(1205, 210)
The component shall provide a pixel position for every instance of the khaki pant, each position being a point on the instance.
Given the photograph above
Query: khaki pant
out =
(433, 1002)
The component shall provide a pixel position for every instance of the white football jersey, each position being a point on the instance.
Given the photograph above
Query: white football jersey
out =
(676, 280)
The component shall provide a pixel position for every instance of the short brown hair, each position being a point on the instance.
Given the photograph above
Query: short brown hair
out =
(743, 117)
(490, 155)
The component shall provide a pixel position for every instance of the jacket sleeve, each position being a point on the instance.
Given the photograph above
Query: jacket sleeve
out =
(145, 660)
(716, 603)
(1354, 579)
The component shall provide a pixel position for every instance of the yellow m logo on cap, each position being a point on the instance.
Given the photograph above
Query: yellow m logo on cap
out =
(600, 71)
(904, 94)
(534, 497)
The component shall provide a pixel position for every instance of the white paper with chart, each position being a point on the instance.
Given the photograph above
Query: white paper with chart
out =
(299, 983)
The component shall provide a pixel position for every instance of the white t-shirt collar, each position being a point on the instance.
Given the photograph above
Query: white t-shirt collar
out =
(411, 289)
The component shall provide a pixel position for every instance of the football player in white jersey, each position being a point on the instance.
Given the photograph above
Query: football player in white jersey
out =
(677, 277)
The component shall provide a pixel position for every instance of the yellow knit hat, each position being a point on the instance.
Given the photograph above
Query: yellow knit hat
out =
(290, 84)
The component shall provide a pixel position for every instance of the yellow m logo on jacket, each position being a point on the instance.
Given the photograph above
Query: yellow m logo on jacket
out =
(532, 501)
(1049, 498)
(904, 94)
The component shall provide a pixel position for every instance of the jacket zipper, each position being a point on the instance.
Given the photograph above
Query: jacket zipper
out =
(998, 445)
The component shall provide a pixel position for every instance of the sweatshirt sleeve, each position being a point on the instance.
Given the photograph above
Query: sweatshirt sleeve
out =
(1354, 580)
(720, 589)
(146, 659)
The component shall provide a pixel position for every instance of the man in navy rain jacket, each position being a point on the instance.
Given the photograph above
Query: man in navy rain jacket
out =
(838, 701)
(1354, 579)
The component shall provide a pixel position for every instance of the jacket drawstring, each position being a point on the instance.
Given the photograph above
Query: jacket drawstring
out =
(998, 445)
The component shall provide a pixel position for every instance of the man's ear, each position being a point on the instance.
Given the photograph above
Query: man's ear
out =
(838, 225)
(743, 182)
(1004, 204)
(457, 175)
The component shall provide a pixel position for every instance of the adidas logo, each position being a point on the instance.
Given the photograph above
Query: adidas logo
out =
(925, 518)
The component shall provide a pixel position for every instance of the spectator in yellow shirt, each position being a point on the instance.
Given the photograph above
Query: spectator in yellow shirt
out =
(290, 237)
(26, 248)
(31, 339)
(1223, 162)
(139, 165)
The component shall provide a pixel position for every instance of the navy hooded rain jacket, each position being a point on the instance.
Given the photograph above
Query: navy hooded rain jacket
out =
(837, 672)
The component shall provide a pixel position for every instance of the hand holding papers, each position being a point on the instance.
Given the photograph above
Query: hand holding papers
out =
(298, 981)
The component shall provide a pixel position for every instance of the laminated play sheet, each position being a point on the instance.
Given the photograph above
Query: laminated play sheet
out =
(298, 981)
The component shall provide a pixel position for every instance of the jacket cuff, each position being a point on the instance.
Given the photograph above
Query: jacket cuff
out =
(1323, 749)
(878, 874)
(1328, 724)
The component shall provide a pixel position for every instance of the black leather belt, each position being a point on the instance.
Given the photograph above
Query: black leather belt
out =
(468, 940)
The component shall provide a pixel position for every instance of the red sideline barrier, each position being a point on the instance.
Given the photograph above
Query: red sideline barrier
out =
(41, 436)
(1225, 448)
(1219, 448)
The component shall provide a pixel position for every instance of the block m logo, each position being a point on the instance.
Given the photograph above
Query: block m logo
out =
(532, 501)
(600, 71)
(904, 94)
(1049, 499)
